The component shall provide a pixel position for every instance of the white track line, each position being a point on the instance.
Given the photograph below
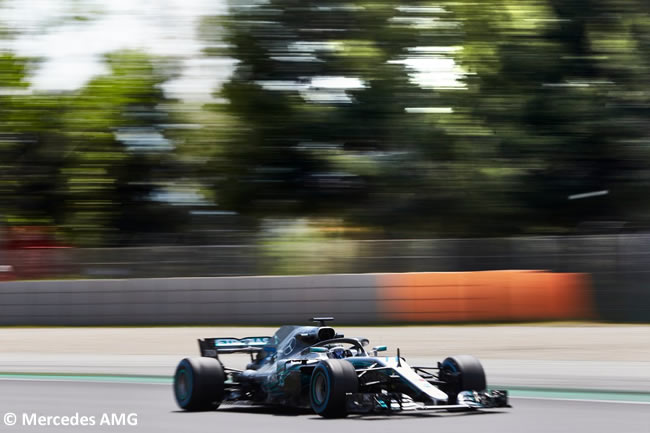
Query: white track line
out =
(584, 400)
(39, 379)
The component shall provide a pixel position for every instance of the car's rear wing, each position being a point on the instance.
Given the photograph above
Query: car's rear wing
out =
(213, 347)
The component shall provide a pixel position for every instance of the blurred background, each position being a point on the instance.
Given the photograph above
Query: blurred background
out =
(386, 162)
(186, 138)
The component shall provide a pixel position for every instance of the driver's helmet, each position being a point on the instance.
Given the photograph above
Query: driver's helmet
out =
(337, 353)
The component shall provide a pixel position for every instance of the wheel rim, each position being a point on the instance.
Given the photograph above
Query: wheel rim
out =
(320, 389)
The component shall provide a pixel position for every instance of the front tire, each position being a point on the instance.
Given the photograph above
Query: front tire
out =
(199, 384)
(462, 373)
(331, 381)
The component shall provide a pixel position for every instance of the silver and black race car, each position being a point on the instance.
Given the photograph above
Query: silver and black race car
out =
(314, 366)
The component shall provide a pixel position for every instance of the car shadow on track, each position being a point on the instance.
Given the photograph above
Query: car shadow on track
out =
(294, 412)
(411, 415)
(260, 410)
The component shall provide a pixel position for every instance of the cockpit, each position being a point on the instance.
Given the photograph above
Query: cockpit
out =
(292, 340)
(289, 341)
(309, 342)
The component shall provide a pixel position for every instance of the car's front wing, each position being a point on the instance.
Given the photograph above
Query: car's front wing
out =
(395, 402)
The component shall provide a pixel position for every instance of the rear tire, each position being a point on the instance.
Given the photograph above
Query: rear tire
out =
(199, 384)
(462, 373)
(331, 380)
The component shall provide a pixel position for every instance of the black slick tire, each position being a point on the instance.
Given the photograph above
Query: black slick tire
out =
(331, 381)
(199, 384)
(462, 373)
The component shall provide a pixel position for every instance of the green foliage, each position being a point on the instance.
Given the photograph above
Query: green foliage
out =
(12, 72)
(89, 162)
(30, 152)
(447, 118)
(119, 155)
(319, 99)
(554, 87)
(550, 101)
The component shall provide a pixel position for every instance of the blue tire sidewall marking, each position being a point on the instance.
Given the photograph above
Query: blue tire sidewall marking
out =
(184, 365)
(320, 407)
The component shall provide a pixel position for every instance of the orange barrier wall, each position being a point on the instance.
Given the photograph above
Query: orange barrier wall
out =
(351, 298)
(483, 296)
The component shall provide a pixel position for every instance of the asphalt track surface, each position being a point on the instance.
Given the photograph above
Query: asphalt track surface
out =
(157, 412)
(562, 356)
(561, 369)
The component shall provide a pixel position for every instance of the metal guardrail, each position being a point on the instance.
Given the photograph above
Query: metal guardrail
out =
(618, 264)
(559, 254)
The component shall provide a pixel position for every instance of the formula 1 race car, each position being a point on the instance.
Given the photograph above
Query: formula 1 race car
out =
(314, 366)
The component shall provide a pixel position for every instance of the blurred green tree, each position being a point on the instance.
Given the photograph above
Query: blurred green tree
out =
(32, 155)
(31, 148)
(119, 157)
(559, 86)
(317, 107)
